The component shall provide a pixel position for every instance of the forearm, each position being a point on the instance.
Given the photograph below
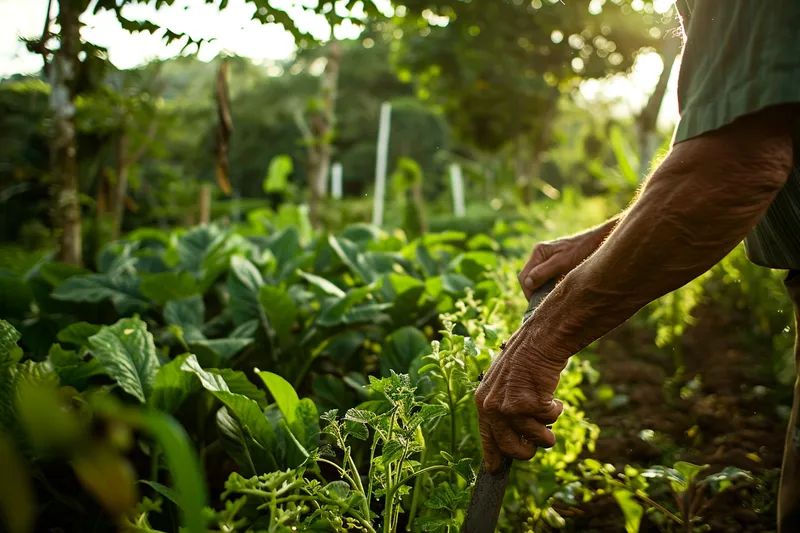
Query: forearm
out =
(691, 213)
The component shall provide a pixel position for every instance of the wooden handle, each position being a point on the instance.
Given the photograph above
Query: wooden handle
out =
(487, 497)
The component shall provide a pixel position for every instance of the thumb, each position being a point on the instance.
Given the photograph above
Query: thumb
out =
(541, 273)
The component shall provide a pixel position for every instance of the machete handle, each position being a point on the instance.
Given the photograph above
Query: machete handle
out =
(490, 487)
(539, 295)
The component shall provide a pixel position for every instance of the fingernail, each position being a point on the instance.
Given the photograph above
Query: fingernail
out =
(529, 283)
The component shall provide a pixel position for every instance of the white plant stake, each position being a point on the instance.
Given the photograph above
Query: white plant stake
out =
(336, 181)
(457, 185)
(380, 163)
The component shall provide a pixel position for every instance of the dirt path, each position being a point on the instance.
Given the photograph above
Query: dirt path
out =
(730, 418)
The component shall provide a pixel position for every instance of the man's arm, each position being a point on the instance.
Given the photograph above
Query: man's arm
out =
(698, 205)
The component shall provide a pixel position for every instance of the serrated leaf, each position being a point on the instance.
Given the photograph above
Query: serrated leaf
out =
(8, 342)
(356, 429)
(447, 496)
(392, 451)
(128, 354)
(337, 490)
(360, 416)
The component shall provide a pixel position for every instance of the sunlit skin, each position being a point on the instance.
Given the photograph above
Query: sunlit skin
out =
(701, 202)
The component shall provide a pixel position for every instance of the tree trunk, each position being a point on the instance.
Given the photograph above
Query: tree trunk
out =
(63, 146)
(319, 152)
(648, 118)
(205, 204)
(120, 190)
(224, 128)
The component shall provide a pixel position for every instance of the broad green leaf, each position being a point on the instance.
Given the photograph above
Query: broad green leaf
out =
(285, 246)
(245, 331)
(244, 284)
(689, 471)
(333, 313)
(456, 284)
(225, 349)
(17, 498)
(239, 384)
(726, 478)
(122, 291)
(193, 246)
(185, 470)
(631, 510)
(361, 233)
(253, 425)
(173, 385)
(285, 396)
(168, 286)
(165, 491)
(325, 286)
(57, 273)
(188, 314)
(426, 261)
(343, 346)
(483, 242)
(251, 457)
(72, 368)
(127, 352)
(281, 311)
(17, 296)
(210, 381)
(78, 333)
(307, 417)
(350, 256)
(280, 167)
(401, 348)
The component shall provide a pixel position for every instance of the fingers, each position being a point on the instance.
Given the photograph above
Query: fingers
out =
(550, 415)
(541, 273)
(534, 431)
(492, 455)
(541, 253)
(512, 443)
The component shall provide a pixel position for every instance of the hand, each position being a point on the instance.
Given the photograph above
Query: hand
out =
(515, 401)
(556, 258)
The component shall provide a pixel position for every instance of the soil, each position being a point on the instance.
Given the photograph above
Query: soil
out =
(735, 417)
